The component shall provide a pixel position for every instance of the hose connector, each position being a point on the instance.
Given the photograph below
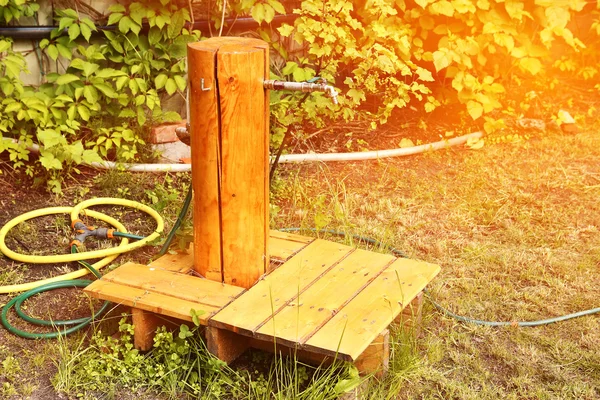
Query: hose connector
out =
(306, 87)
(83, 231)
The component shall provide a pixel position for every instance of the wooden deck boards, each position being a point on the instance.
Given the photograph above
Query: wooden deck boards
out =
(325, 298)
(328, 299)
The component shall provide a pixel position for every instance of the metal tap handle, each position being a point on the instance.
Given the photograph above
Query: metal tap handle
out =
(305, 87)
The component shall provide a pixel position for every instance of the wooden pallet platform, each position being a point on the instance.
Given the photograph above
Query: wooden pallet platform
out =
(320, 297)
(329, 299)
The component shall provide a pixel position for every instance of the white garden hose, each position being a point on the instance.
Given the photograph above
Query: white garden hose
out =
(292, 158)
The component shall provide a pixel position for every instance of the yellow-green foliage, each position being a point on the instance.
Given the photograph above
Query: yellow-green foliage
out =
(414, 50)
(111, 90)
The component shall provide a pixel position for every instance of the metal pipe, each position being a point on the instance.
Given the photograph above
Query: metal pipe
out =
(305, 87)
(41, 32)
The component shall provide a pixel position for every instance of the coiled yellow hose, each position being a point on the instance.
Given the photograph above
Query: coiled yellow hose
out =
(107, 255)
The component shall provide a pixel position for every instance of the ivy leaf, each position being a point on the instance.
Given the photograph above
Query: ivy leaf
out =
(423, 3)
(141, 116)
(356, 95)
(405, 142)
(441, 59)
(160, 81)
(52, 52)
(176, 25)
(116, 8)
(74, 31)
(90, 156)
(66, 79)
(181, 82)
(109, 73)
(171, 86)
(50, 138)
(125, 24)
(86, 32)
(424, 75)
(258, 12)
(289, 68)
(475, 143)
(277, 6)
(84, 112)
(533, 65)
(475, 109)
(154, 35)
(90, 94)
(443, 7)
(121, 81)
(285, 30)
(269, 13)
(106, 90)
(48, 160)
(64, 51)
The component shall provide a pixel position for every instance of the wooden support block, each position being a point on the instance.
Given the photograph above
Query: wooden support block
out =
(225, 345)
(376, 358)
(410, 318)
(144, 328)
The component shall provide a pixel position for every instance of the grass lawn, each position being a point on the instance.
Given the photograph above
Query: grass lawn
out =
(515, 228)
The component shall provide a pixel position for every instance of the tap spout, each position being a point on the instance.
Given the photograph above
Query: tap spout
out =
(306, 87)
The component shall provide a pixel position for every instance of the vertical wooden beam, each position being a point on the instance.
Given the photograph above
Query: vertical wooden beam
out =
(144, 328)
(230, 138)
(376, 358)
(205, 142)
(225, 345)
(229, 125)
(409, 319)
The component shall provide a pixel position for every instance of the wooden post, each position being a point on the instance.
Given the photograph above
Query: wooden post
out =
(230, 158)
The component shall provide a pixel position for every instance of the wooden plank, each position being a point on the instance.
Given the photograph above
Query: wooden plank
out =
(297, 322)
(205, 142)
(282, 249)
(173, 284)
(282, 246)
(180, 262)
(376, 358)
(255, 307)
(292, 237)
(149, 301)
(355, 327)
(243, 174)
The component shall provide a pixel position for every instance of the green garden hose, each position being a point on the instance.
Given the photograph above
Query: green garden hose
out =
(67, 280)
(439, 307)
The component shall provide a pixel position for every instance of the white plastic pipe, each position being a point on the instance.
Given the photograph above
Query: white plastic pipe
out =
(293, 158)
(378, 154)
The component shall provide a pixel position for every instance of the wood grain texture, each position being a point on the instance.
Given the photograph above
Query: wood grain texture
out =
(176, 285)
(244, 182)
(205, 142)
(144, 328)
(230, 139)
(149, 301)
(351, 330)
(225, 345)
(304, 316)
(292, 237)
(179, 262)
(254, 308)
(281, 249)
(376, 358)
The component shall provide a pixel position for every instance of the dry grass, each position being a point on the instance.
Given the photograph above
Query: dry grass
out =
(516, 229)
